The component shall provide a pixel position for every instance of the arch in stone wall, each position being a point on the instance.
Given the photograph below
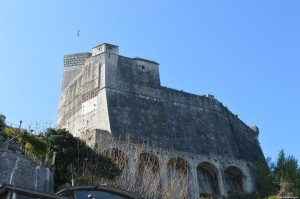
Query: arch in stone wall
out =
(178, 170)
(148, 175)
(119, 157)
(234, 178)
(149, 160)
(208, 182)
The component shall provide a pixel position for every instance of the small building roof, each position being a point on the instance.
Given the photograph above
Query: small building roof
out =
(95, 191)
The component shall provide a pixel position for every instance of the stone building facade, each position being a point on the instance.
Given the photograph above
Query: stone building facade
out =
(190, 137)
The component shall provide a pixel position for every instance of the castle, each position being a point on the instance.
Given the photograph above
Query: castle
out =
(192, 138)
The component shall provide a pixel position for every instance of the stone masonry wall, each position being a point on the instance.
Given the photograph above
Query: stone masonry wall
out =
(172, 125)
(75, 99)
(209, 174)
(170, 118)
(19, 171)
(72, 65)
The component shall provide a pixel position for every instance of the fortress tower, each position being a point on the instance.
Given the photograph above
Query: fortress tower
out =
(109, 96)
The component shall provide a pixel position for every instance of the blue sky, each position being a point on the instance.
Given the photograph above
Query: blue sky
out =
(245, 53)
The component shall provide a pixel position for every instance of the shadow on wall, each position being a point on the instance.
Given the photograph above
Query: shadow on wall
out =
(207, 175)
(234, 180)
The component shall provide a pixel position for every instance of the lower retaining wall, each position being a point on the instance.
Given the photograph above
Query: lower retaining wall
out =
(169, 173)
(20, 171)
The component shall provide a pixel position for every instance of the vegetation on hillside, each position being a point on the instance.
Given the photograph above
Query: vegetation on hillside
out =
(2, 122)
(76, 160)
(280, 178)
(69, 157)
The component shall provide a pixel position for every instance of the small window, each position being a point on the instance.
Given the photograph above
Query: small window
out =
(143, 67)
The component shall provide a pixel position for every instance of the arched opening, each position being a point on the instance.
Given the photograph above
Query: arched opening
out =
(148, 175)
(207, 175)
(148, 162)
(118, 156)
(178, 178)
(234, 180)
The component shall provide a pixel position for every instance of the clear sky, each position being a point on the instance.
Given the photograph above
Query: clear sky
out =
(245, 53)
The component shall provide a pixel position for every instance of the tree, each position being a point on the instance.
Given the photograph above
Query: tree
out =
(286, 175)
(2, 122)
(265, 186)
(76, 160)
(281, 178)
(73, 158)
(35, 145)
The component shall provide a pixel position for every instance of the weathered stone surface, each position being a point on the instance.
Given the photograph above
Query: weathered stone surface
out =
(20, 171)
(73, 65)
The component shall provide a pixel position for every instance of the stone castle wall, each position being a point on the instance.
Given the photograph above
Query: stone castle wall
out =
(123, 96)
(173, 119)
